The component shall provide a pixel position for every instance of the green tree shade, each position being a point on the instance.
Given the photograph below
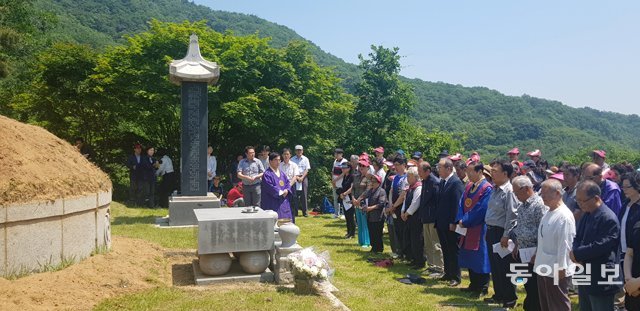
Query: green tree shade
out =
(384, 101)
(276, 97)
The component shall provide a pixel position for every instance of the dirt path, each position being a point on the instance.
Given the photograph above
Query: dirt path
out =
(131, 266)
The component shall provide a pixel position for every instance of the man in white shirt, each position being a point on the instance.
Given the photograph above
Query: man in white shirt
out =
(168, 183)
(302, 186)
(413, 237)
(290, 169)
(211, 168)
(555, 239)
(336, 178)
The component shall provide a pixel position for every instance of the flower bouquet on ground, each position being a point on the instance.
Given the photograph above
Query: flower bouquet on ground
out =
(309, 268)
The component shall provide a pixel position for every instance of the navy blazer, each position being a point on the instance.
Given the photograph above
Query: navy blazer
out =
(597, 243)
(429, 199)
(632, 218)
(149, 171)
(448, 203)
(136, 171)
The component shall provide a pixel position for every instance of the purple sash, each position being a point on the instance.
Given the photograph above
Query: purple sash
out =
(471, 241)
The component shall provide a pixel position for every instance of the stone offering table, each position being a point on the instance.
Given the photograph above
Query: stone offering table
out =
(249, 236)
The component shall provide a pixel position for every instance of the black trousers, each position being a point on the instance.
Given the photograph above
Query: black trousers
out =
(399, 227)
(349, 215)
(505, 291)
(167, 186)
(532, 301)
(414, 240)
(449, 243)
(292, 199)
(479, 281)
(375, 235)
(300, 199)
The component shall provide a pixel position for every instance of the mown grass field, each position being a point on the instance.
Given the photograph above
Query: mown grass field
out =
(362, 286)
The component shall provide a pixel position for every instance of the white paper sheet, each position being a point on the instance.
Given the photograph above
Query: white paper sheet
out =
(526, 254)
(347, 203)
(299, 186)
(503, 252)
(460, 230)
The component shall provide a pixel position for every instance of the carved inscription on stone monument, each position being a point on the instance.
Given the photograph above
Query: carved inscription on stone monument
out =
(194, 138)
(193, 134)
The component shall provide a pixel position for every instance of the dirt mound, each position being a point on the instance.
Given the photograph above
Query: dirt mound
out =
(38, 166)
(131, 266)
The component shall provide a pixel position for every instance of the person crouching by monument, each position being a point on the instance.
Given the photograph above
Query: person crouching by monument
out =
(250, 171)
(235, 196)
(376, 199)
(275, 189)
(217, 187)
(474, 254)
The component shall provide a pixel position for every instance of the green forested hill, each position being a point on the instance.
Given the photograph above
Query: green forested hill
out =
(491, 121)
(104, 22)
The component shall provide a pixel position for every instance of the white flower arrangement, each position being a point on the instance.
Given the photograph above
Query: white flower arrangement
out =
(307, 264)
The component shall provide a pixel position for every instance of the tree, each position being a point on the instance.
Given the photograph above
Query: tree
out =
(277, 97)
(384, 102)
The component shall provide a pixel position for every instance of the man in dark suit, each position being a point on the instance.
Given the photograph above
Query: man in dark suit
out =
(597, 243)
(136, 176)
(451, 190)
(428, 205)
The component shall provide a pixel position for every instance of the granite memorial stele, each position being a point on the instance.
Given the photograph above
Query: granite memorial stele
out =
(193, 73)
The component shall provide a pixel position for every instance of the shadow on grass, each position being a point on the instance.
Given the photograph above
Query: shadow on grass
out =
(182, 274)
(132, 220)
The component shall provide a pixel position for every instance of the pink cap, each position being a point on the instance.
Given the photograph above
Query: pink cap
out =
(558, 176)
(379, 149)
(378, 178)
(474, 156)
(514, 151)
(535, 153)
(600, 153)
(455, 157)
(364, 163)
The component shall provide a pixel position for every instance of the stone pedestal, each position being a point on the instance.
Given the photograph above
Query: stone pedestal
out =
(235, 274)
(181, 208)
(283, 269)
(229, 230)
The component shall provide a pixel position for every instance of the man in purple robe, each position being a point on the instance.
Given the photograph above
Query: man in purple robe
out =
(275, 189)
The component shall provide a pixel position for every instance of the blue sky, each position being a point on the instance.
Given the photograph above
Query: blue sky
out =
(582, 53)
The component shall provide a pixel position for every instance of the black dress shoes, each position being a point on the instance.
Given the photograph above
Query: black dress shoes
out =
(510, 304)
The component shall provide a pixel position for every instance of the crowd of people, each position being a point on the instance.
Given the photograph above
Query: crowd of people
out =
(253, 179)
(557, 229)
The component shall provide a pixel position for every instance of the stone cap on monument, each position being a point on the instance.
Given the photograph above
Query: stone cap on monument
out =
(193, 67)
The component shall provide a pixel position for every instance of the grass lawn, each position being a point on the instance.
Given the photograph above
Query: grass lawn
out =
(362, 286)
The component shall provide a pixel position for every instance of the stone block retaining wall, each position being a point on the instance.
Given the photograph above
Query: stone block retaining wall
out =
(35, 236)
